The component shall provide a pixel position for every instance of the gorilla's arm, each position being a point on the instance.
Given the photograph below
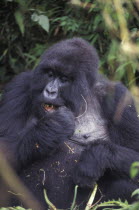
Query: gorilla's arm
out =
(38, 138)
(15, 106)
(99, 157)
(23, 137)
(41, 137)
(122, 118)
(118, 152)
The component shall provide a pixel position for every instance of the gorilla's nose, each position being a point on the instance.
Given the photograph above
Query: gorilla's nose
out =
(50, 93)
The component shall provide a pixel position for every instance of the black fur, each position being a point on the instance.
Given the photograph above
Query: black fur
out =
(100, 113)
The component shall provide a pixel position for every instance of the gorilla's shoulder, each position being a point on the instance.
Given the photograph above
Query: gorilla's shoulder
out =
(104, 87)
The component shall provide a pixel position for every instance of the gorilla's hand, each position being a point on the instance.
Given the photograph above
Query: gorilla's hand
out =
(82, 178)
(61, 123)
(41, 137)
(93, 162)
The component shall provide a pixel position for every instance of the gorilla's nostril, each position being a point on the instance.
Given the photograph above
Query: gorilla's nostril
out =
(86, 136)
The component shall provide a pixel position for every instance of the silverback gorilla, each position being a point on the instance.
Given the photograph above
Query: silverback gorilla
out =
(79, 128)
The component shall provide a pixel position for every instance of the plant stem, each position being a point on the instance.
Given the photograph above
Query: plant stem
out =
(74, 198)
(92, 197)
(51, 206)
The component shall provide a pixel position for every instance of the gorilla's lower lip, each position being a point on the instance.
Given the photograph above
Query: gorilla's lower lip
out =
(50, 107)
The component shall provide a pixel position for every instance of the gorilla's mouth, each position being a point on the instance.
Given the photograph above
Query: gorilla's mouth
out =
(50, 107)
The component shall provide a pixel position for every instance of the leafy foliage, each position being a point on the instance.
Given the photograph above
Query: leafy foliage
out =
(14, 208)
(29, 27)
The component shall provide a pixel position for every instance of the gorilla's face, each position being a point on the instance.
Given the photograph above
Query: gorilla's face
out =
(52, 85)
(63, 76)
(51, 89)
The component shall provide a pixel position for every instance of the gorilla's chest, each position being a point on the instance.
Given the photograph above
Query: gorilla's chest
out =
(89, 127)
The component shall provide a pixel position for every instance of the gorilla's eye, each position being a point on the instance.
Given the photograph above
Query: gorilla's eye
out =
(64, 79)
(50, 74)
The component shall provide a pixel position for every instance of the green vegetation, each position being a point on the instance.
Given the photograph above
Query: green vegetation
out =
(27, 28)
(14, 208)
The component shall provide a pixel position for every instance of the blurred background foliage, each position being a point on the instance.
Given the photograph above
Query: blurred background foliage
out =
(28, 27)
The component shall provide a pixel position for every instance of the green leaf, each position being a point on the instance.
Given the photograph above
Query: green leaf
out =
(136, 192)
(120, 71)
(35, 17)
(134, 170)
(20, 21)
(42, 20)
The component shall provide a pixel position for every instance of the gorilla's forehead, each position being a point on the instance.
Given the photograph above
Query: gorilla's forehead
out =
(71, 55)
(59, 67)
(67, 55)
